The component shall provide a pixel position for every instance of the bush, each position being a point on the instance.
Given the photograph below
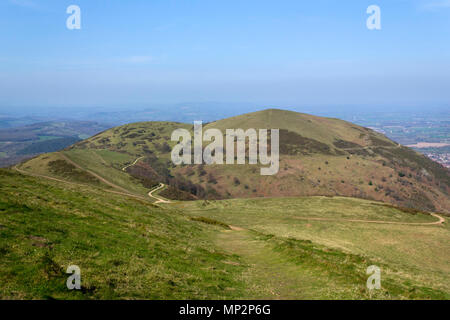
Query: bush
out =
(173, 193)
(211, 179)
(201, 171)
(190, 172)
(211, 221)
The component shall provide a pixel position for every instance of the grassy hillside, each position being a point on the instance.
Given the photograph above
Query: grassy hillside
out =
(319, 156)
(126, 248)
(325, 130)
(237, 249)
(339, 231)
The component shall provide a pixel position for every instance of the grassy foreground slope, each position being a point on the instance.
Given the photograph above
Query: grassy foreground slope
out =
(335, 237)
(318, 156)
(129, 248)
(126, 248)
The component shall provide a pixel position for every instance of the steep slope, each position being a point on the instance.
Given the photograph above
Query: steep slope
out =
(325, 130)
(318, 156)
(125, 247)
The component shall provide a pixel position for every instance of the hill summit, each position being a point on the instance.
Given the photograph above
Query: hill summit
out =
(318, 156)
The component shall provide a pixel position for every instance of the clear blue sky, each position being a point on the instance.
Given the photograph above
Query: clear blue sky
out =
(139, 52)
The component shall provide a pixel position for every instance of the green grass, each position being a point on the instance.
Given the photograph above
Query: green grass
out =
(125, 248)
(68, 170)
(232, 249)
(252, 247)
(112, 171)
(317, 153)
(287, 268)
(210, 221)
(410, 254)
(304, 124)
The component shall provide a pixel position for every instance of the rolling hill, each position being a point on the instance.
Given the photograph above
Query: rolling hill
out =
(318, 156)
(129, 248)
(309, 232)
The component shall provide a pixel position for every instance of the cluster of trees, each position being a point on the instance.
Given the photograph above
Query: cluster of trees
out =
(153, 171)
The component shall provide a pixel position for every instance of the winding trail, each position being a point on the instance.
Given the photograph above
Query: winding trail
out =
(130, 165)
(441, 220)
(158, 200)
(76, 184)
(270, 275)
(370, 147)
(121, 191)
(125, 192)
(109, 183)
(150, 194)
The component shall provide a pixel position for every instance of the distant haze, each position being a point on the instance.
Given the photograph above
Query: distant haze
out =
(267, 53)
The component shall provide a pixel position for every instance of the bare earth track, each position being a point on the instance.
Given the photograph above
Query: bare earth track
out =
(124, 192)
(74, 183)
(132, 164)
(93, 174)
(440, 221)
(158, 200)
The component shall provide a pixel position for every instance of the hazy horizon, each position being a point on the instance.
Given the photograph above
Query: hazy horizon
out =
(265, 53)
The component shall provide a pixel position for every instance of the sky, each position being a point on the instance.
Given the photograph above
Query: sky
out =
(278, 53)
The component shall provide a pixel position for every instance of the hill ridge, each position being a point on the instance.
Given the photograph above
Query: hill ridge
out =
(318, 156)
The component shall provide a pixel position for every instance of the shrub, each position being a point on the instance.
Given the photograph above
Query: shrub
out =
(211, 179)
(201, 171)
(211, 221)
(173, 193)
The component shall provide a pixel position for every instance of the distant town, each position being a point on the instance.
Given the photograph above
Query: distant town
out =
(436, 151)
(427, 133)
(442, 158)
